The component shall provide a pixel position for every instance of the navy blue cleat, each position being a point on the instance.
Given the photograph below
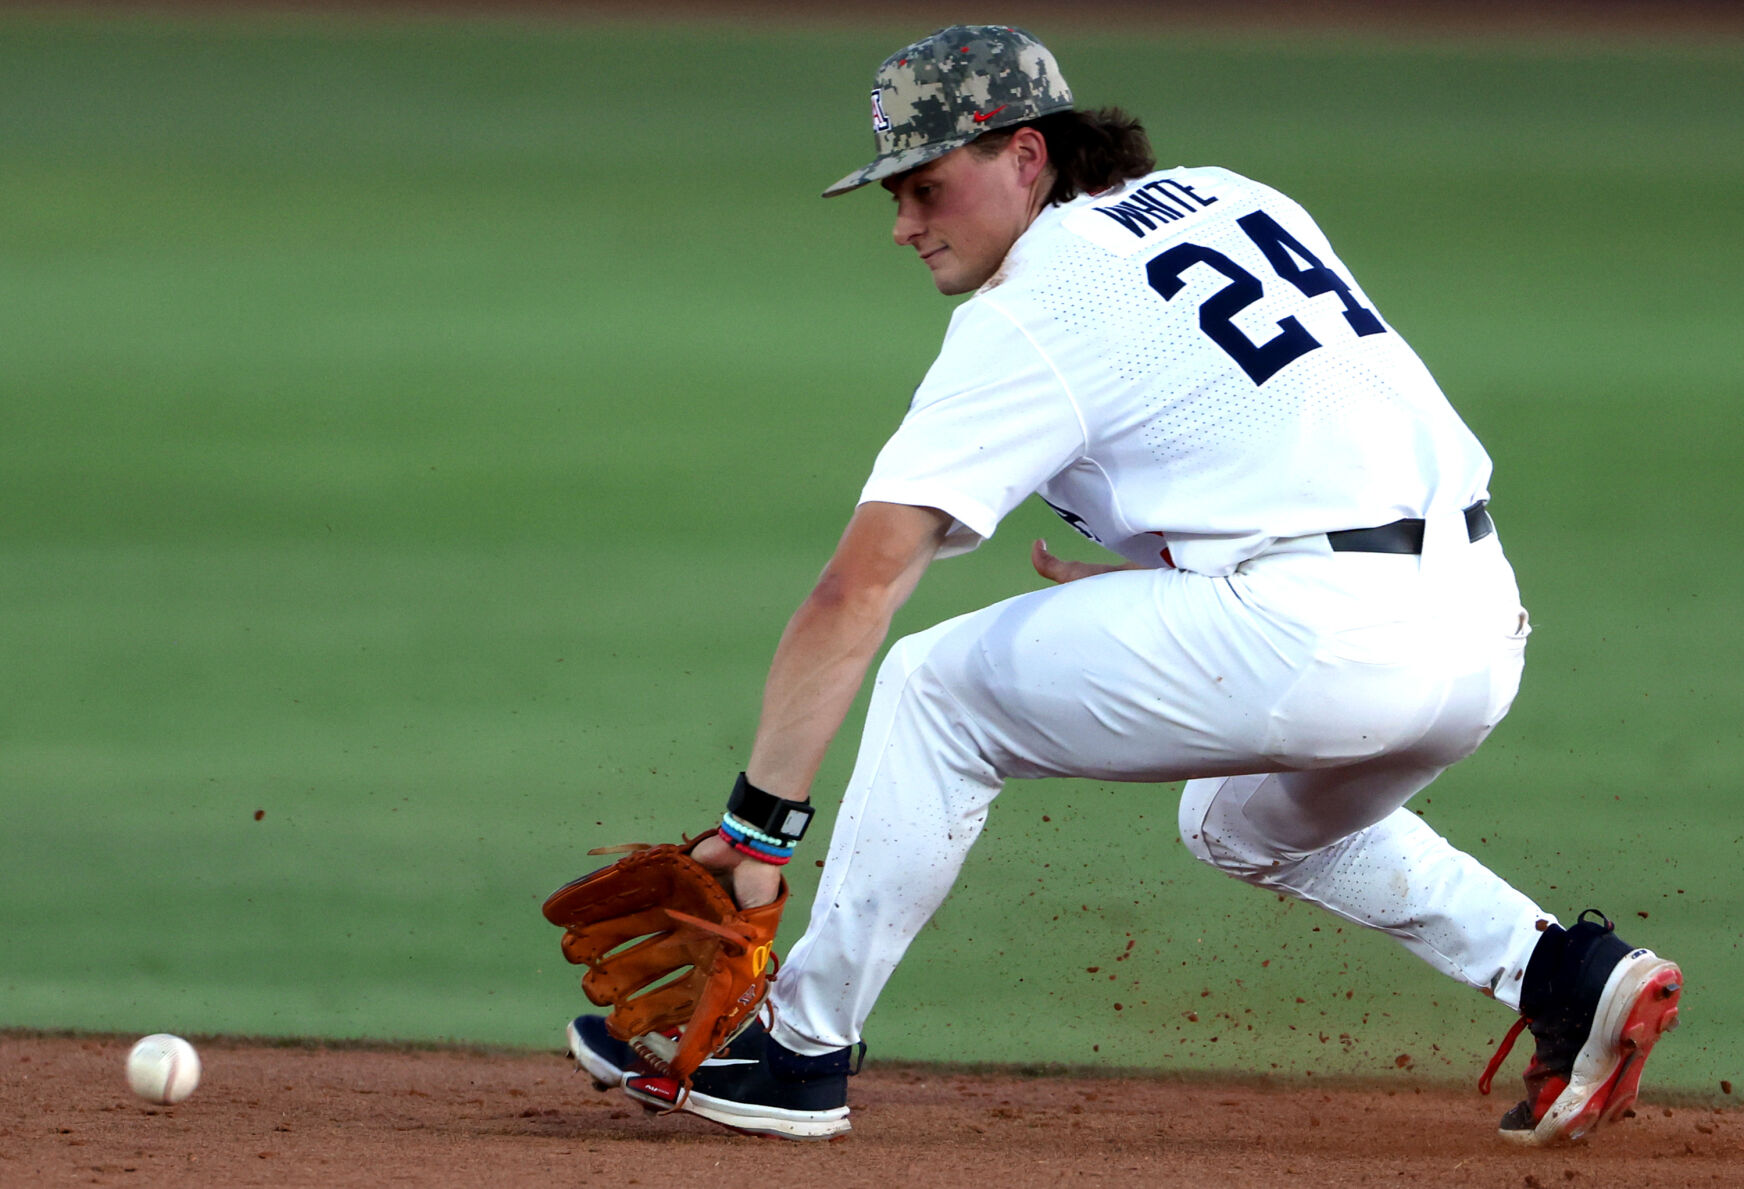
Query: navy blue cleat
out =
(601, 1055)
(757, 1087)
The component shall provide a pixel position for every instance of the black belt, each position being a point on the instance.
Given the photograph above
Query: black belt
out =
(1405, 536)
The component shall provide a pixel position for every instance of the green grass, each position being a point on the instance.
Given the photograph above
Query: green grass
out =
(418, 433)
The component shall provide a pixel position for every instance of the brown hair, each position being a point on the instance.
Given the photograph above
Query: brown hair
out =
(1090, 151)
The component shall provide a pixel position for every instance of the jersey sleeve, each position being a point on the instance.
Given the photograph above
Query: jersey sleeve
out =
(992, 421)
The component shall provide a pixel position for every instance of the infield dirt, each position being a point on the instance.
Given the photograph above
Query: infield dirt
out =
(331, 1116)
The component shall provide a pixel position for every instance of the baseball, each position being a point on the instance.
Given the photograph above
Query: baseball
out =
(163, 1069)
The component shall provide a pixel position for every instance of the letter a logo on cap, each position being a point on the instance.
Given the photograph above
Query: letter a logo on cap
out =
(880, 121)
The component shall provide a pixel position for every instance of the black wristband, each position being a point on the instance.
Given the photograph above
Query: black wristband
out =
(784, 819)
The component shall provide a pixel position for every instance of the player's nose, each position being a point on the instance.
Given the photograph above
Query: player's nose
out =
(907, 228)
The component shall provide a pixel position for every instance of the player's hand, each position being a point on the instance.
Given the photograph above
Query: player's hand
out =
(1056, 569)
(753, 884)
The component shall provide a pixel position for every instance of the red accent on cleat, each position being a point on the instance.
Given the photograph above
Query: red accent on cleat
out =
(1653, 1015)
(664, 1089)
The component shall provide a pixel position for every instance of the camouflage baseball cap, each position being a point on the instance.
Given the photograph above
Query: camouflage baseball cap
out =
(945, 90)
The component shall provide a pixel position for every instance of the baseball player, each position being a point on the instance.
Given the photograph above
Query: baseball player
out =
(1310, 619)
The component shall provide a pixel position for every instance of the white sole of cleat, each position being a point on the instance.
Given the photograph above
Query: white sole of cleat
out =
(764, 1121)
(1639, 1005)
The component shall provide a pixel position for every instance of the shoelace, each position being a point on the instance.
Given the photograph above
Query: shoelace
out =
(1507, 1046)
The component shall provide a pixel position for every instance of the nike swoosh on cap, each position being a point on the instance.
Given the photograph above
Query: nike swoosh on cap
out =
(728, 1061)
(981, 117)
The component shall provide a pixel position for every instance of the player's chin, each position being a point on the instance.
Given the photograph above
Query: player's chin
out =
(953, 275)
(950, 283)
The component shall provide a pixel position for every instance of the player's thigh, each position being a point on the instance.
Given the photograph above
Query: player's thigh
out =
(1137, 675)
(1294, 663)
(1251, 822)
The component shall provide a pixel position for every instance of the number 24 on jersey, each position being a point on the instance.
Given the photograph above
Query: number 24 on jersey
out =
(1292, 262)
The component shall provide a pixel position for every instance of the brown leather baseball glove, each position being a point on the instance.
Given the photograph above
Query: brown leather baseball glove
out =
(681, 966)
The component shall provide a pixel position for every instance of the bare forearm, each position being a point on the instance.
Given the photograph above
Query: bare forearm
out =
(831, 640)
(819, 666)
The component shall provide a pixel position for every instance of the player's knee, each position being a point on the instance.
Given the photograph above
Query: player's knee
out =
(1210, 822)
(1203, 803)
(1195, 802)
(1248, 865)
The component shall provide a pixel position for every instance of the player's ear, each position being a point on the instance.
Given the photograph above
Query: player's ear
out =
(1029, 149)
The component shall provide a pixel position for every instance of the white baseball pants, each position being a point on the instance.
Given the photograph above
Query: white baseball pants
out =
(1305, 698)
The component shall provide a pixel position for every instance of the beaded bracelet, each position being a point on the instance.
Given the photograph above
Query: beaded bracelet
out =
(740, 826)
(756, 848)
(746, 848)
(733, 834)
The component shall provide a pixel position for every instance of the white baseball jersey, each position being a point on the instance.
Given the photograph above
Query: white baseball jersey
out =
(1185, 371)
